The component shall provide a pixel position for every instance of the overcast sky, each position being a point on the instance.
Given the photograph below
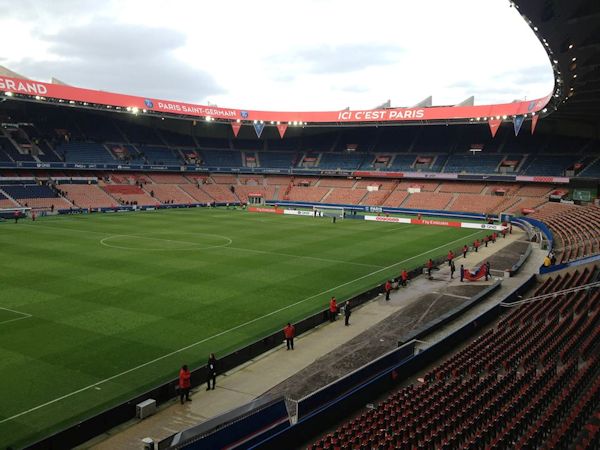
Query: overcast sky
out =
(280, 55)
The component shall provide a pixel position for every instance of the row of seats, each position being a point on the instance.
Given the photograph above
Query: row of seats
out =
(453, 196)
(575, 229)
(532, 381)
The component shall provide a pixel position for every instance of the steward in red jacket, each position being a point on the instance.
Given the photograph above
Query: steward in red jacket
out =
(388, 288)
(289, 331)
(184, 384)
(332, 309)
(404, 277)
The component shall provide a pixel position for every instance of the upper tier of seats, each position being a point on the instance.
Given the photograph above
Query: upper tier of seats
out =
(89, 137)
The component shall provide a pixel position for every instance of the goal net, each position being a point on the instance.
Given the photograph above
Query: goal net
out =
(329, 211)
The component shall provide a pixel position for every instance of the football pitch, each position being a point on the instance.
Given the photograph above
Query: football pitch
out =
(96, 309)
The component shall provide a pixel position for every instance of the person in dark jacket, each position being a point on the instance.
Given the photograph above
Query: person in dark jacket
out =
(347, 313)
(452, 269)
(211, 372)
(184, 384)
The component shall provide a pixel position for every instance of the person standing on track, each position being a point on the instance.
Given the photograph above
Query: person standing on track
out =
(347, 313)
(332, 309)
(404, 277)
(429, 267)
(465, 250)
(462, 273)
(211, 372)
(450, 257)
(476, 245)
(388, 288)
(289, 331)
(184, 384)
(452, 269)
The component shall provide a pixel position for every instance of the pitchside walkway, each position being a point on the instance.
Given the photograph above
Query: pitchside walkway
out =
(248, 381)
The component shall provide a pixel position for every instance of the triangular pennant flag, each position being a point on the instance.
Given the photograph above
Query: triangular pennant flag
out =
(281, 128)
(517, 122)
(494, 125)
(259, 127)
(534, 121)
(235, 126)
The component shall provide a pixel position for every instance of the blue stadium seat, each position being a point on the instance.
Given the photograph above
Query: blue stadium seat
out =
(468, 163)
(222, 158)
(18, 191)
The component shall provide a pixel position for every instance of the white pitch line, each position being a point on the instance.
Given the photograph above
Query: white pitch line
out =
(15, 319)
(229, 330)
(24, 315)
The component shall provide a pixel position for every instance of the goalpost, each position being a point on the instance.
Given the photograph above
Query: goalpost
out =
(9, 213)
(329, 211)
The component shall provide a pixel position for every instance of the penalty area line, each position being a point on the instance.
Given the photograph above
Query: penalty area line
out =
(224, 332)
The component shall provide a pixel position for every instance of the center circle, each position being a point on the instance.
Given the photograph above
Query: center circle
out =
(146, 242)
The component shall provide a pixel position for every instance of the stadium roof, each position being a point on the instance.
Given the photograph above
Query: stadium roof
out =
(570, 30)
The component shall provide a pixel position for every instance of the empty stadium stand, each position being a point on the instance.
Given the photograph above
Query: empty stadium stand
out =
(576, 229)
(128, 194)
(87, 196)
(86, 152)
(532, 381)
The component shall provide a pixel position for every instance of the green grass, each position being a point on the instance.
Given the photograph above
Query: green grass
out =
(113, 297)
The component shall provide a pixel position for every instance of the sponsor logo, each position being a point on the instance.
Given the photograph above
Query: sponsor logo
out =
(148, 103)
(387, 219)
(531, 106)
(244, 114)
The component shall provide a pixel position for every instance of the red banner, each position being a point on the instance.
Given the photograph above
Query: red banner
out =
(236, 128)
(494, 125)
(438, 223)
(281, 128)
(70, 93)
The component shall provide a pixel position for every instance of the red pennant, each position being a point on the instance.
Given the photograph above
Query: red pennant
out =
(235, 126)
(494, 125)
(534, 121)
(281, 128)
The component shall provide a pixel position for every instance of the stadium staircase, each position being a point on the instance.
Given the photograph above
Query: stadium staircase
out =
(394, 187)
(452, 201)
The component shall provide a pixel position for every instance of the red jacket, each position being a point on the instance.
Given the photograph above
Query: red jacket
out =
(404, 275)
(476, 243)
(450, 256)
(289, 331)
(332, 306)
(184, 379)
(429, 264)
(465, 248)
(388, 286)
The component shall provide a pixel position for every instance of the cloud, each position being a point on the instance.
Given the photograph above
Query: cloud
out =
(529, 75)
(343, 58)
(354, 88)
(131, 59)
